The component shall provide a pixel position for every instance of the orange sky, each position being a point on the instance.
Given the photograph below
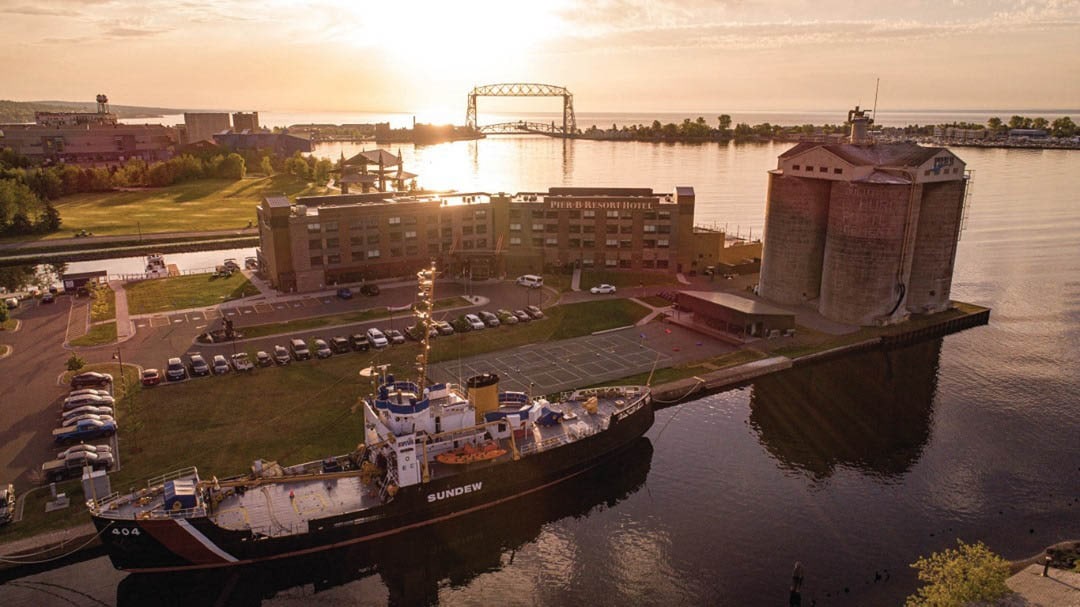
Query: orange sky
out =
(614, 55)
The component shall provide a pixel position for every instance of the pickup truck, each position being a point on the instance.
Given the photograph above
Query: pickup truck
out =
(72, 465)
(86, 429)
(241, 362)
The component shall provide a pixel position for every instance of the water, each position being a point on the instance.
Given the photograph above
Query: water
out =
(854, 467)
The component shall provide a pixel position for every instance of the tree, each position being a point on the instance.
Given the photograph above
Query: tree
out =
(321, 174)
(74, 363)
(233, 167)
(1040, 123)
(1016, 122)
(725, 122)
(266, 167)
(16, 278)
(50, 219)
(956, 577)
(3, 316)
(1063, 127)
(994, 124)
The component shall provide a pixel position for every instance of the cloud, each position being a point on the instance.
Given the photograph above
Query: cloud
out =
(39, 11)
(122, 31)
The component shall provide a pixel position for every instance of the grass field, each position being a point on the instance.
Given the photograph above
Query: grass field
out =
(180, 292)
(206, 204)
(333, 320)
(99, 334)
(8, 325)
(104, 304)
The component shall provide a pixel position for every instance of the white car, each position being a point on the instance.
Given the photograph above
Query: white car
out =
(474, 322)
(377, 338)
(74, 402)
(604, 288)
(83, 410)
(220, 365)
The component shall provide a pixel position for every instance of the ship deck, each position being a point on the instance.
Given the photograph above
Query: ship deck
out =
(283, 505)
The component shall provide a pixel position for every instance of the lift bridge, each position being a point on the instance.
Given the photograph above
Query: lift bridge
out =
(524, 89)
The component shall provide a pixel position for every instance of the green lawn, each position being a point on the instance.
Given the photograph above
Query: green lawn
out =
(36, 520)
(99, 334)
(180, 292)
(206, 204)
(104, 304)
(8, 325)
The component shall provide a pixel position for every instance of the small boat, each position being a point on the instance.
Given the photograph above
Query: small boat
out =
(155, 266)
(470, 454)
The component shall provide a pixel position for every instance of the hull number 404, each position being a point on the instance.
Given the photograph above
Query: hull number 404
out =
(126, 531)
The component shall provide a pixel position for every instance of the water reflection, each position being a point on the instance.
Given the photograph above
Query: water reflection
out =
(413, 566)
(869, 411)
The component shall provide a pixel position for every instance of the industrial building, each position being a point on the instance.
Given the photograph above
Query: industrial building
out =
(734, 315)
(245, 121)
(87, 138)
(200, 126)
(866, 232)
(282, 144)
(324, 240)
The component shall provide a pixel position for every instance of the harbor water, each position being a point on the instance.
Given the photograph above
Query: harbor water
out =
(854, 467)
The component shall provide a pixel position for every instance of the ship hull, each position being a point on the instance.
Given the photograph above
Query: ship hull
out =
(168, 544)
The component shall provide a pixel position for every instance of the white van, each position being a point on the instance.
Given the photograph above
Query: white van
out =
(531, 280)
(13, 303)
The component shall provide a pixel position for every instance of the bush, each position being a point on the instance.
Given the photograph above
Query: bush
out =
(955, 578)
(75, 362)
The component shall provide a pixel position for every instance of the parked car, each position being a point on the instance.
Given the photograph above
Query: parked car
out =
(370, 290)
(299, 349)
(231, 264)
(221, 366)
(74, 402)
(360, 342)
(489, 319)
(11, 303)
(72, 465)
(88, 392)
(377, 338)
(48, 298)
(91, 379)
(88, 429)
(67, 416)
(198, 365)
(71, 421)
(522, 316)
(150, 377)
(322, 349)
(507, 317)
(534, 312)
(75, 449)
(241, 362)
(339, 344)
(7, 504)
(263, 359)
(531, 280)
(474, 322)
(395, 337)
(444, 328)
(602, 289)
(344, 293)
(174, 370)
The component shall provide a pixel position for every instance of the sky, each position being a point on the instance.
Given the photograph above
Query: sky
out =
(613, 55)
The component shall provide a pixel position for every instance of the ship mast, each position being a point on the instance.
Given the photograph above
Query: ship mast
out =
(424, 308)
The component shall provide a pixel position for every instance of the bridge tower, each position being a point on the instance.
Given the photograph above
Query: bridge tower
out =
(524, 89)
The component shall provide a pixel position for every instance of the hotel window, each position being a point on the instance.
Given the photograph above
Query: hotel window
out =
(650, 215)
(665, 229)
(589, 244)
(587, 262)
(409, 235)
(466, 244)
(663, 244)
(515, 213)
(838, 171)
(432, 233)
(552, 215)
(537, 242)
(480, 214)
(665, 215)
(356, 240)
(552, 227)
(575, 243)
(551, 242)
(371, 222)
(624, 263)
(611, 228)
(356, 225)
(412, 250)
(333, 243)
(373, 254)
(515, 227)
(538, 227)
(589, 214)
(314, 244)
(613, 214)
(626, 214)
(537, 214)
(330, 226)
(316, 260)
(467, 230)
(624, 244)
(373, 239)
(514, 240)
(661, 264)
(358, 256)
(395, 252)
(481, 229)
(410, 220)
(394, 221)
(648, 264)
(649, 228)
(447, 232)
(575, 214)
(612, 242)
(481, 243)
(575, 228)
(650, 244)
(589, 229)
(433, 248)
(333, 259)
(313, 227)
(611, 263)
(626, 229)
(395, 236)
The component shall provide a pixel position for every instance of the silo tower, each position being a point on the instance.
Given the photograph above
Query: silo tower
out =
(102, 104)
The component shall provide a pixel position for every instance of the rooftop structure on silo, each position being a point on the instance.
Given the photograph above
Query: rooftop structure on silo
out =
(865, 232)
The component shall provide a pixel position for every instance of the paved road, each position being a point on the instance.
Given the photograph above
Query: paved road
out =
(97, 242)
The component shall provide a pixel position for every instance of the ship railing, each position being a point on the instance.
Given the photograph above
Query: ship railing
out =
(189, 472)
(543, 445)
(606, 391)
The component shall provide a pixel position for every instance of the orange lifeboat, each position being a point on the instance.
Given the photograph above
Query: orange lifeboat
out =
(470, 454)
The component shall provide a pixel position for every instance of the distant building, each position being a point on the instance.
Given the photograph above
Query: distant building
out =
(865, 232)
(282, 144)
(245, 121)
(1027, 134)
(323, 240)
(204, 125)
(90, 143)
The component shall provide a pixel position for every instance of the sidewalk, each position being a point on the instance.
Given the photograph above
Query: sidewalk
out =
(1059, 589)
(123, 322)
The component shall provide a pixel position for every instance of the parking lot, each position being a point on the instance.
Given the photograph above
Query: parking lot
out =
(252, 311)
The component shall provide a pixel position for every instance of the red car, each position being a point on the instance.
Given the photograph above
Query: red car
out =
(151, 377)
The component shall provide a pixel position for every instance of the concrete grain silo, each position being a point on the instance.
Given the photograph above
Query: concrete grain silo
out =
(867, 230)
(795, 221)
